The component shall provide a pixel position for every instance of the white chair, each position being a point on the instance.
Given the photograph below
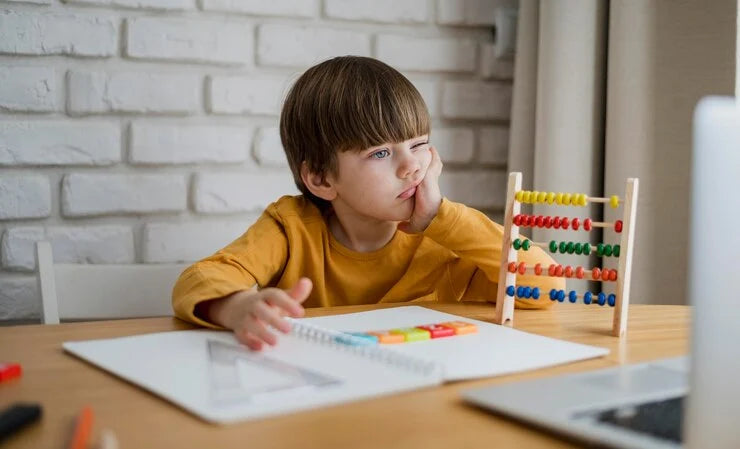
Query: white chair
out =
(89, 292)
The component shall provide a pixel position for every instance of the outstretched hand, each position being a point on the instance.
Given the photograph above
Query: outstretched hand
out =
(426, 199)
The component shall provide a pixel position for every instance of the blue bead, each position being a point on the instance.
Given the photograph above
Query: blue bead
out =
(602, 298)
(536, 293)
(527, 292)
(553, 294)
(587, 298)
(572, 296)
(561, 295)
(510, 290)
(612, 300)
(520, 291)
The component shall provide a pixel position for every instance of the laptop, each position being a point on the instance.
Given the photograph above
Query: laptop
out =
(670, 403)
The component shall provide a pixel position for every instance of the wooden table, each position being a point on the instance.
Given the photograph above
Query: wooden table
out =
(430, 418)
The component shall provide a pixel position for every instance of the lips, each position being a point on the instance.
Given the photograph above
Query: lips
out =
(408, 193)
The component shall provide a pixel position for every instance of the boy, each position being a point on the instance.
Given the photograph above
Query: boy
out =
(370, 226)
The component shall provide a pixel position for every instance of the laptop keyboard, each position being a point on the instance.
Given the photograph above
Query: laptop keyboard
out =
(661, 419)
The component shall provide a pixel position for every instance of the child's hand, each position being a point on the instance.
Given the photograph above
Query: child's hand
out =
(426, 199)
(249, 312)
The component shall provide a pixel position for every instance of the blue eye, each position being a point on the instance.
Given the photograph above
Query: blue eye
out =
(380, 154)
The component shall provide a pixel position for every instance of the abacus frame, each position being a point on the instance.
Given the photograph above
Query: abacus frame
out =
(505, 303)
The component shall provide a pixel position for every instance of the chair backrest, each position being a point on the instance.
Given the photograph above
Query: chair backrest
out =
(89, 291)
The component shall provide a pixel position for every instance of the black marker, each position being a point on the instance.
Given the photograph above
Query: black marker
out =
(17, 416)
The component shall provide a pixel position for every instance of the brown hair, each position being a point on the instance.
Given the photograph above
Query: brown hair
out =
(347, 103)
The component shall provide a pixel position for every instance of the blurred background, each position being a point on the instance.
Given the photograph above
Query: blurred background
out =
(144, 131)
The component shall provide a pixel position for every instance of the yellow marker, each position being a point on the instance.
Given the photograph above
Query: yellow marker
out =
(412, 334)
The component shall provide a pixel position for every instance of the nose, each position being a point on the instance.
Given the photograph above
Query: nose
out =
(408, 165)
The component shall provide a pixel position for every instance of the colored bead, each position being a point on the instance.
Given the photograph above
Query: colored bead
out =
(522, 267)
(608, 250)
(551, 269)
(553, 294)
(520, 291)
(587, 224)
(525, 196)
(612, 275)
(583, 200)
(566, 199)
(517, 220)
(561, 295)
(570, 247)
(618, 226)
(538, 269)
(559, 271)
(518, 195)
(526, 245)
(530, 220)
(568, 271)
(612, 300)
(615, 252)
(559, 198)
(563, 247)
(573, 296)
(534, 196)
(600, 249)
(579, 272)
(540, 221)
(512, 267)
(553, 246)
(536, 293)
(527, 292)
(595, 273)
(605, 275)
(556, 222)
(564, 222)
(541, 197)
(587, 298)
(550, 197)
(586, 249)
(614, 201)
(602, 299)
(578, 249)
(510, 291)
(548, 222)
(575, 224)
(517, 244)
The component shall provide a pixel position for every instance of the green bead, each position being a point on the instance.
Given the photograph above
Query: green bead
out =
(578, 248)
(616, 251)
(553, 246)
(563, 247)
(600, 249)
(570, 247)
(586, 249)
(517, 244)
(526, 245)
(608, 250)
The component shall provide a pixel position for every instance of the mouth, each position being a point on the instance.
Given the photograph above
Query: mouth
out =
(408, 193)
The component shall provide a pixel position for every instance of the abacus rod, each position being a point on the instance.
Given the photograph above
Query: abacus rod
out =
(596, 199)
(547, 245)
(586, 275)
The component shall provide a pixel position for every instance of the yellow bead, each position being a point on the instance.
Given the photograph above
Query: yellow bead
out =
(583, 201)
(518, 195)
(566, 199)
(550, 197)
(614, 201)
(541, 197)
(559, 198)
(533, 197)
(525, 197)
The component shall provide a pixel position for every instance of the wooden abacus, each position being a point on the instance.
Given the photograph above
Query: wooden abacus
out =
(507, 288)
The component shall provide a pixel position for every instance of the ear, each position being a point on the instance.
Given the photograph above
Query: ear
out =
(319, 184)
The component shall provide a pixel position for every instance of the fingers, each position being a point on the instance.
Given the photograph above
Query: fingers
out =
(301, 289)
(436, 164)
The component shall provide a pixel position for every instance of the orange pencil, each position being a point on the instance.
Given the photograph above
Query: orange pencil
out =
(83, 428)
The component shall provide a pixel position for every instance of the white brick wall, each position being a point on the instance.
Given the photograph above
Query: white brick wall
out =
(145, 131)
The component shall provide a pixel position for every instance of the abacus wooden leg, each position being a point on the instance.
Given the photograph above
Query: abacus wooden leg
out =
(619, 325)
(504, 303)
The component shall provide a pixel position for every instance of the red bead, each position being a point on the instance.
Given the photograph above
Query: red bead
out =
(618, 226)
(522, 267)
(540, 221)
(530, 220)
(538, 269)
(559, 270)
(612, 275)
(568, 271)
(551, 269)
(548, 222)
(595, 273)
(579, 272)
(517, 219)
(556, 222)
(587, 224)
(512, 267)
(575, 223)
(605, 275)
(564, 222)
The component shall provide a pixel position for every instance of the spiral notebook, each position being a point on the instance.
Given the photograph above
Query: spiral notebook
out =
(209, 374)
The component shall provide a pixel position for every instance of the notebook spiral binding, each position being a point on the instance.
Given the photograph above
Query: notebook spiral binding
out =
(356, 345)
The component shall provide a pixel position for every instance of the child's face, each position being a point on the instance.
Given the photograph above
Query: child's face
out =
(378, 182)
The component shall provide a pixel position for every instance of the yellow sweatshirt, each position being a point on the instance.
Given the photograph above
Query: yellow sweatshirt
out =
(456, 258)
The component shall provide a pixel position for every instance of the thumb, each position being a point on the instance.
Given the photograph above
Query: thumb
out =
(301, 289)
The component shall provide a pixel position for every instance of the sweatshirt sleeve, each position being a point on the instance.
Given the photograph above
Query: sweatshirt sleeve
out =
(477, 241)
(257, 257)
